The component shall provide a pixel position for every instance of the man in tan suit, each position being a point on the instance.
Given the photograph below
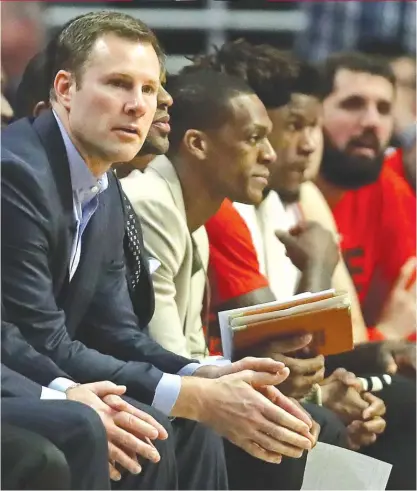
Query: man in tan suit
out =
(226, 155)
(218, 149)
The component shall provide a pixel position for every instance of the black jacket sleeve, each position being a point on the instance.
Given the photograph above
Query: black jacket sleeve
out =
(14, 384)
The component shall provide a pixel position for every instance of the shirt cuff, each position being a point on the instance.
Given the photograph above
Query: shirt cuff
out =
(48, 393)
(167, 392)
(168, 388)
(217, 361)
(61, 384)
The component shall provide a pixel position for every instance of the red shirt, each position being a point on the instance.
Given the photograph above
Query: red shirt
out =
(233, 266)
(377, 224)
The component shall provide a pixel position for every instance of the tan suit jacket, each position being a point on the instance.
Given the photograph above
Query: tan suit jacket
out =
(157, 199)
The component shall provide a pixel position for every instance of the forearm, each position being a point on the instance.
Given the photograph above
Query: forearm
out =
(315, 278)
(343, 281)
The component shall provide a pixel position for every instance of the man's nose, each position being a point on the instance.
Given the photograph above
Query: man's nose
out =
(371, 117)
(267, 154)
(164, 98)
(136, 105)
(308, 142)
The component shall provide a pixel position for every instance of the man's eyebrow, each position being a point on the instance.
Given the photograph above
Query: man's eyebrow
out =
(128, 76)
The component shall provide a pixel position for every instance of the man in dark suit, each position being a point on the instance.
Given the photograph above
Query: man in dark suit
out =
(63, 268)
(20, 395)
(68, 434)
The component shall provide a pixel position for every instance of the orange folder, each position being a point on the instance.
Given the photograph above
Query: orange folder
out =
(330, 324)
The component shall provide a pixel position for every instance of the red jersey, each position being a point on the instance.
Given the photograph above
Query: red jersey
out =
(377, 224)
(233, 266)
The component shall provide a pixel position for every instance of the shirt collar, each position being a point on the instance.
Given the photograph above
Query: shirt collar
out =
(84, 185)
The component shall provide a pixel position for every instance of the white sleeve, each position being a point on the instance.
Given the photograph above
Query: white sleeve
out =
(48, 393)
(61, 384)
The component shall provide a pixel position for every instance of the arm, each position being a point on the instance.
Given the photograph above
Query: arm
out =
(14, 384)
(343, 281)
(314, 207)
(28, 294)
(20, 356)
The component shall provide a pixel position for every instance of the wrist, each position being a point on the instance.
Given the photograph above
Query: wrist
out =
(387, 331)
(190, 403)
(69, 389)
(320, 265)
(207, 371)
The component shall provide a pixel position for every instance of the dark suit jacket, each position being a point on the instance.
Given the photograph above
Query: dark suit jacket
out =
(18, 355)
(14, 384)
(69, 321)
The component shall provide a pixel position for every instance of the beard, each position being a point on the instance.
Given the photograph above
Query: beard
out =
(348, 171)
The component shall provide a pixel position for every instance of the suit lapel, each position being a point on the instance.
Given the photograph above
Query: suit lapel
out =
(47, 128)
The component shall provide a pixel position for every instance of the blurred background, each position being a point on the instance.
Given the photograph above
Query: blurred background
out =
(189, 27)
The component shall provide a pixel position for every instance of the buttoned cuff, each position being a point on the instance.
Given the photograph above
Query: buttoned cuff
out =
(48, 393)
(62, 384)
(217, 361)
(167, 392)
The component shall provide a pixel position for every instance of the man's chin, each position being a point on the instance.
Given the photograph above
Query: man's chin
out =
(348, 170)
(155, 146)
(289, 197)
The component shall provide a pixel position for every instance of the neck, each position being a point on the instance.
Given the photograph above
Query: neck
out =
(331, 193)
(98, 167)
(200, 202)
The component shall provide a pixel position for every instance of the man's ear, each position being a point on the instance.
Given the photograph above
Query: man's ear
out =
(64, 86)
(195, 141)
(40, 107)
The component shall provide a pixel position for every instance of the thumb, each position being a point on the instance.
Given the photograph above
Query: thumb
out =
(260, 379)
(106, 387)
(291, 343)
(390, 364)
(286, 238)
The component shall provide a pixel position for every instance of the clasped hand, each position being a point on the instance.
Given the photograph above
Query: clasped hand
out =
(361, 411)
(244, 406)
(129, 430)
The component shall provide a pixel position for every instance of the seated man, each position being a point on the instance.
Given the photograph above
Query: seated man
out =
(294, 138)
(70, 298)
(223, 141)
(242, 237)
(379, 246)
(231, 241)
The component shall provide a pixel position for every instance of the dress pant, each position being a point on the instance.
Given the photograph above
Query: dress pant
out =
(246, 472)
(397, 445)
(74, 428)
(29, 461)
(191, 458)
(332, 429)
